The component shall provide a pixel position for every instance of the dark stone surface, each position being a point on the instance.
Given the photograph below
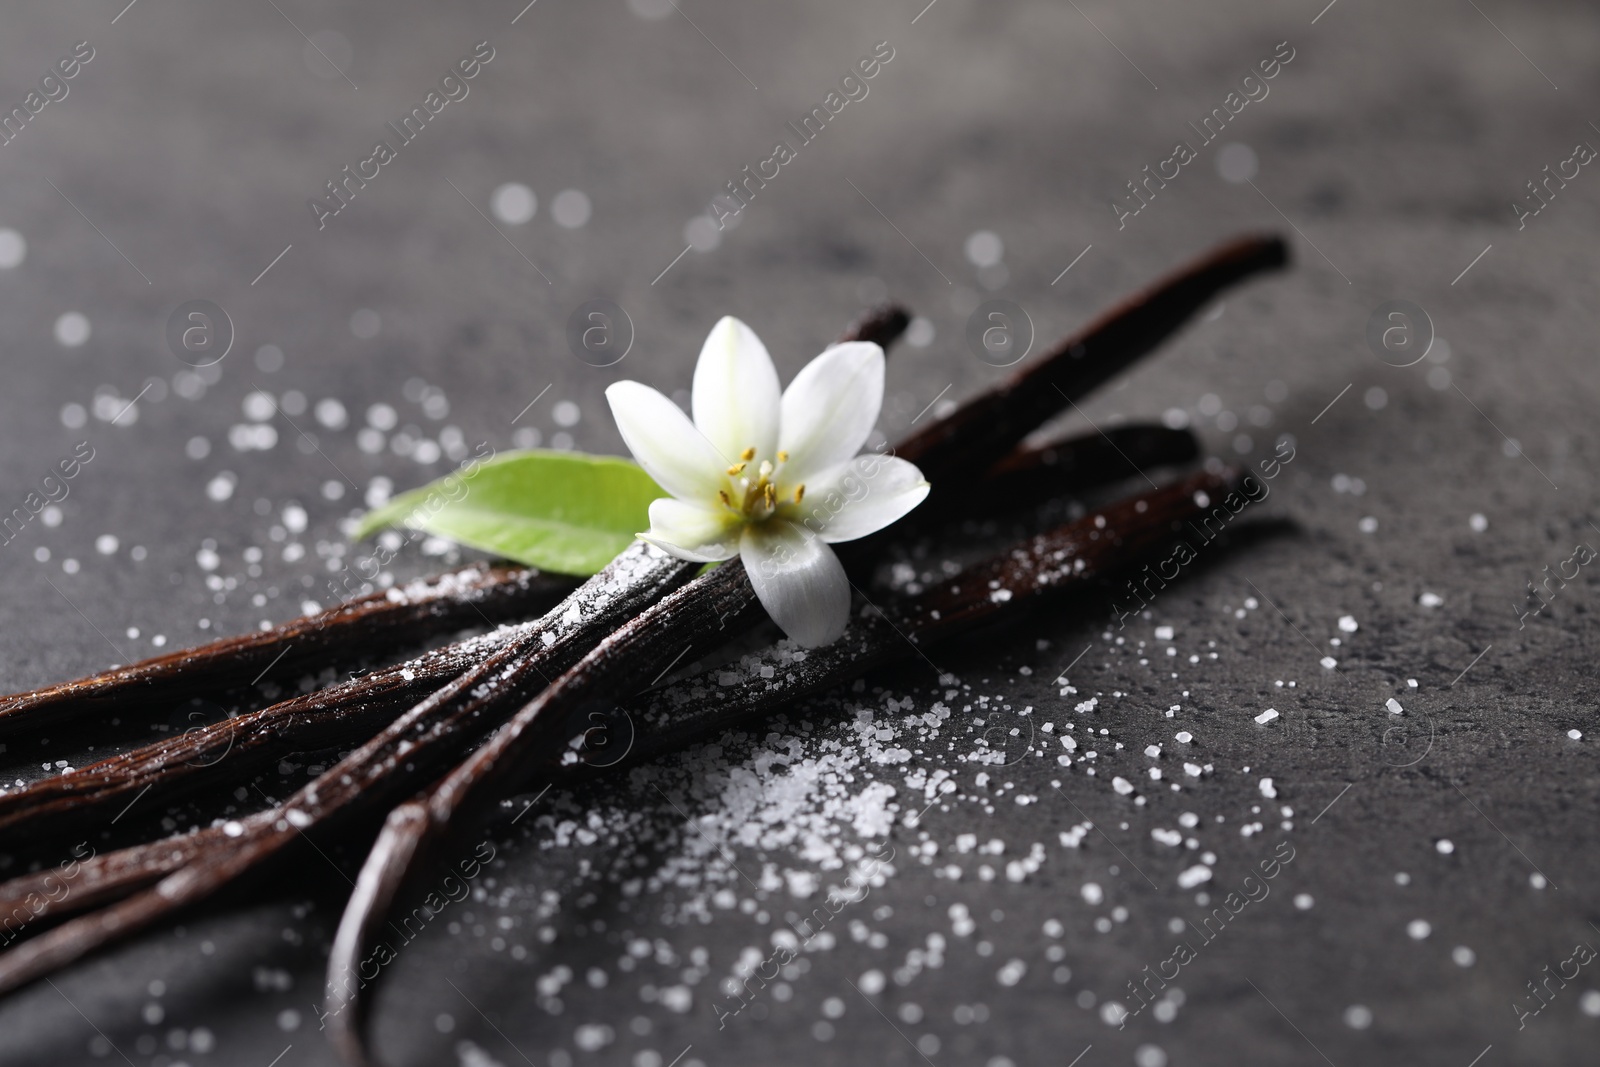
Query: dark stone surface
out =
(1390, 148)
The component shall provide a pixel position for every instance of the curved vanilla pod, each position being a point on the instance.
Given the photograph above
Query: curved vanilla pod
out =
(1075, 464)
(984, 428)
(478, 594)
(1072, 557)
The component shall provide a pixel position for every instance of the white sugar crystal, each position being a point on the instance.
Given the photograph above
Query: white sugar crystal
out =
(1348, 624)
(1430, 600)
(1418, 929)
(1122, 785)
(1163, 633)
(1329, 663)
(1394, 706)
(1267, 789)
(1267, 716)
(1183, 737)
(1092, 893)
(1196, 875)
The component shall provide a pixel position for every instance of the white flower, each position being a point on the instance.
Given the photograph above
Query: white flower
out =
(772, 479)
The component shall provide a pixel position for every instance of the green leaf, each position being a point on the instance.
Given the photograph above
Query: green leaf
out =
(566, 512)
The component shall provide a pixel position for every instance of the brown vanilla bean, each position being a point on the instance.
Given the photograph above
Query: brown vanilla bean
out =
(986, 427)
(1114, 538)
(477, 594)
(882, 325)
(625, 660)
(1068, 466)
(1083, 461)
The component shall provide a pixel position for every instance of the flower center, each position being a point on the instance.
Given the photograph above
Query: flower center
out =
(756, 499)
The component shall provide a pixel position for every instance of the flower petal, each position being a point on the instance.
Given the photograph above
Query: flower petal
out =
(735, 398)
(798, 580)
(830, 408)
(689, 531)
(666, 443)
(858, 497)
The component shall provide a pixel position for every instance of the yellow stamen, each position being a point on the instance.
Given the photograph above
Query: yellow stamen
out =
(736, 469)
(771, 495)
(799, 491)
(725, 501)
(783, 457)
(748, 454)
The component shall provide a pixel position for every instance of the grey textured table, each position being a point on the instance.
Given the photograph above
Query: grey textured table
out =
(1443, 856)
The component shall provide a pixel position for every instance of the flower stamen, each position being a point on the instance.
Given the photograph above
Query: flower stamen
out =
(748, 454)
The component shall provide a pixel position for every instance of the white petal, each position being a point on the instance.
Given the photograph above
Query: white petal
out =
(830, 408)
(798, 580)
(735, 399)
(665, 442)
(689, 531)
(858, 497)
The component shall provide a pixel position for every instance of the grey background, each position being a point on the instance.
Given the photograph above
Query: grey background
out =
(1390, 150)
